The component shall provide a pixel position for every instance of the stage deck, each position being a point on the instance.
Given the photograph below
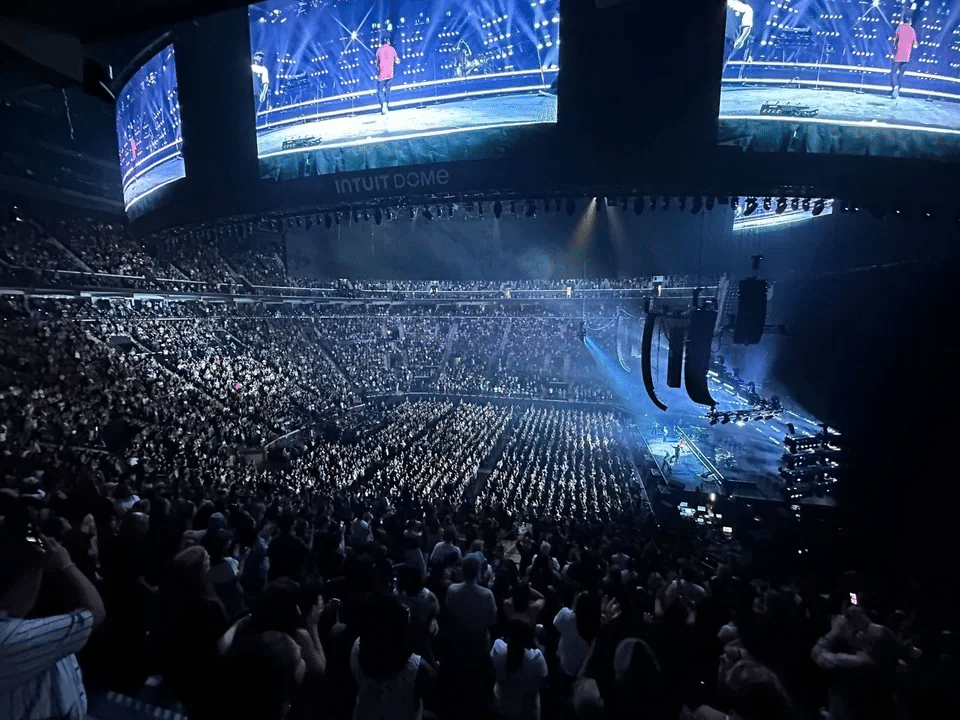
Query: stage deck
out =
(746, 456)
(867, 123)
(468, 129)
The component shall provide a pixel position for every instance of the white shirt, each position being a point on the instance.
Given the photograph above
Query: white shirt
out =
(517, 696)
(571, 649)
(39, 675)
(261, 72)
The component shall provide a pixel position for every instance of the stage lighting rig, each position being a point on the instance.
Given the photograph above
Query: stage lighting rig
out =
(697, 205)
(497, 209)
(767, 203)
(795, 204)
(327, 220)
(751, 207)
(818, 208)
(638, 205)
(426, 213)
(513, 208)
(734, 202)
(480, 208)
(683, 203)
(531, 210)
(571, 206)
(710, 202)
(781, 206)
(666, 202)
(366, 214)
(623, 203)
(378, 216)
(806, 204)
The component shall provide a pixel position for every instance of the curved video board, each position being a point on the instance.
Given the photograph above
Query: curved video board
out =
(148, 129)
(876, 77)
(359, 84)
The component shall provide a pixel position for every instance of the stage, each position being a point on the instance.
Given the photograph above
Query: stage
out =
(735, 459)
(468, 129)
(848, 122)
(164, 173)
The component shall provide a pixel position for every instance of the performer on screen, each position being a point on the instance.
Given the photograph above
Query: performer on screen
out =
(385, 61)
(261, 79)
(739, 26)
(904, 43)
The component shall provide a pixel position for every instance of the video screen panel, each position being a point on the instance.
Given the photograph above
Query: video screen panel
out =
(341, 74)
(881, 71)
(148, 129)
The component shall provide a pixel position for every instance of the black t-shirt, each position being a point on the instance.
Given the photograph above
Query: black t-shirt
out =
(287, 554)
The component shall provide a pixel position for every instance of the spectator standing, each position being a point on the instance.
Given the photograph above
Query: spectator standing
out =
(39, 674)
(520, 669)
(446, 547)
(391, 680)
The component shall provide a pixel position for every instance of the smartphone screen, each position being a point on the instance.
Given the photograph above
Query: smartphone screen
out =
(853, 598)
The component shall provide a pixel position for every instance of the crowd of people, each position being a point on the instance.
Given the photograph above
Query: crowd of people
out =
(383, 511)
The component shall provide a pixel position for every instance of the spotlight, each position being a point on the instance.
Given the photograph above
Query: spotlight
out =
(366, 215)
(726, 419)
(611, 202)
(806, 204)
(666, 202)
(309, 222)
(480, 208)
(497, 209)
(713, 497)
(571, 206)
(450, 209)
(546, 205)
(327, 220)
(844, 206)
(557, 203)
(710, 202)
(766, 203)
(378, 216)
(413, 213)
(289, 222)
(697, 205)
(638, 203)
(426, 213)
(795, 204)
(336, 217)
(513, 208)
(683, 203)
(781, 206)
(751, 207)
(531, 209)
(734, 202)
(623, 203)
(818, 208)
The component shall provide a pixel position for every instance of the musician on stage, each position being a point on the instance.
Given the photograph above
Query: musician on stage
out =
(261, 78)
(904, 43)
(385, 61)
(739, 26)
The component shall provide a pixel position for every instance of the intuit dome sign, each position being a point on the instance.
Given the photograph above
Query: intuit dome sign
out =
(388, 183)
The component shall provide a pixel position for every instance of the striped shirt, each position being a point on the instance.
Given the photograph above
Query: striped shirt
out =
(39, 675)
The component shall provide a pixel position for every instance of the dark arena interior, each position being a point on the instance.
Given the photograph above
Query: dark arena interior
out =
(486, 359)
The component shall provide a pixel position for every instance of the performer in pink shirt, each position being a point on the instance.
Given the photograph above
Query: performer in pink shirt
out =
(385, 60)
(904, 43)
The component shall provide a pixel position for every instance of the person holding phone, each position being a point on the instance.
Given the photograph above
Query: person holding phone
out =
(39, 674)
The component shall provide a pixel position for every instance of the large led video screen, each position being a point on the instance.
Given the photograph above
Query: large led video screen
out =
(873, 77)
(148, 129)
(425, 76)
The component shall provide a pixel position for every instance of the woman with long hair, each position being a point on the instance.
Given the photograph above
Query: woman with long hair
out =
(391, 680)
(520, 669)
